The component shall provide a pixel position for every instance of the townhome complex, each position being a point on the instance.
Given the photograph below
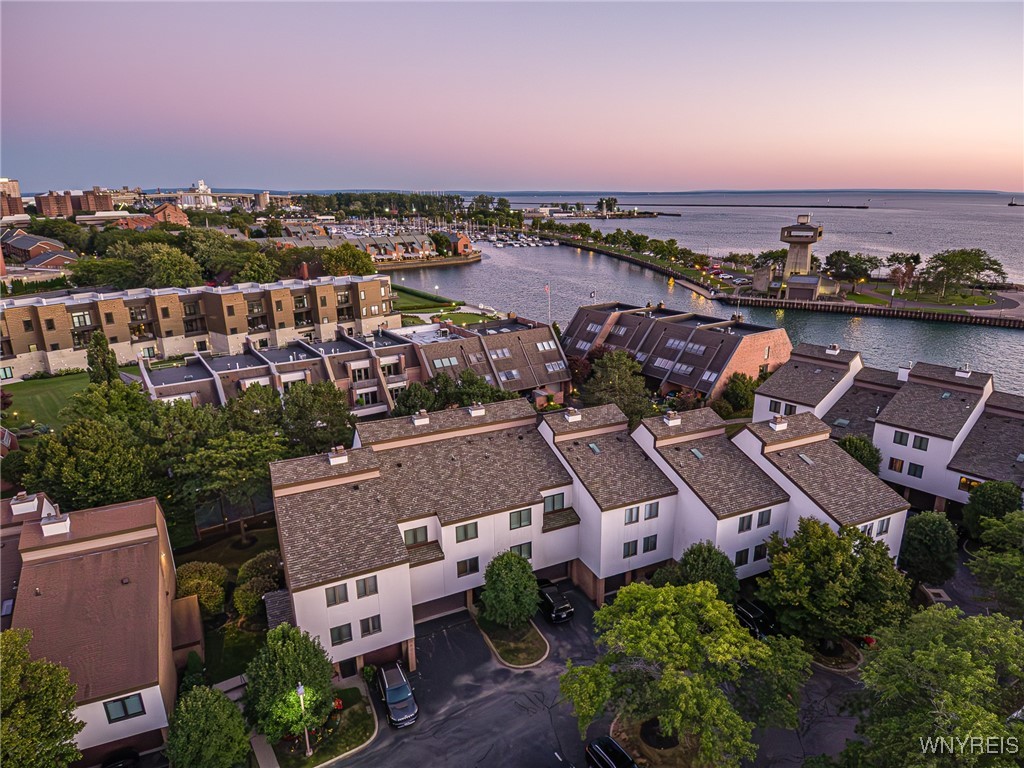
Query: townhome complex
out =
(97, 590)
(679, 351)
(941, 430)
(400, 528)
(51, 332)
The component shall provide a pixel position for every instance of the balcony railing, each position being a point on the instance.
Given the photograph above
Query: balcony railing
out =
(397, 378)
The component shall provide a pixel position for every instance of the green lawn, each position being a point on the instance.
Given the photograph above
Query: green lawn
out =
(225, 552)
(466, 318)
(419, 301)
(863, 298)
(344, 731)
(43, 399)
(979, 299)
(519, 646)
(229, 651)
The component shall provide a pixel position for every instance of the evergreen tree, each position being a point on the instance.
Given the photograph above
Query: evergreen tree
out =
(101, 360)
(617, 378)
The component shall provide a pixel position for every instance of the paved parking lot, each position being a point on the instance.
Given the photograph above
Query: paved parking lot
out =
(475, 712)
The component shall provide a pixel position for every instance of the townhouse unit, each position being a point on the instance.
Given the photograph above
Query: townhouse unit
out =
(400, 528)
(679, 351)
(51, 332)
(97, 590)
(941, 430)
(373, 368)
(19, 246)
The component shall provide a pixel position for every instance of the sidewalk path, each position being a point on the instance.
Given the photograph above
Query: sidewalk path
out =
(264, 753)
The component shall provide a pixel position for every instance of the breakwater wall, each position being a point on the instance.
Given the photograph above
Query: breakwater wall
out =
(451, 261)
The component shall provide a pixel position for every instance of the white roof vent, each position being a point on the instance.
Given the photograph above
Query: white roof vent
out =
(421, 418)
(23, 503)
(904, 370)
(476, 409)
(832, 349)
(964, 371)
(778, 423)
(54, 522)
(337, 455)
(571, 414)
(672, 419)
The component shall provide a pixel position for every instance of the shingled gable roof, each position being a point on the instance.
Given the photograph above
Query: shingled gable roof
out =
(314, 469)
(402, 427)
(690, 423)
(841, 357)
(596, 417)
(806, 378)
(615, 470)
(930, 410)
(993, 449)
(798, 426)
(936, 375)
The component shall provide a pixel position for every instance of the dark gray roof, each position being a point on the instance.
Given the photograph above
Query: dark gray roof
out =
(279, 608)
(690, 422)
(946, 374)
(560, 518)
(400, 427)
(310, 469)
(42, 258)
(993, 449)
(242, 361)
(590, 418)
(819, 352)
(930, 410)
(803, 382)
(1005, 401)
(837, 483)
(858, 407)
(726, 479)
(798, 425)
(615, 470)
(879, 377)
(25, 241)
(192, 370)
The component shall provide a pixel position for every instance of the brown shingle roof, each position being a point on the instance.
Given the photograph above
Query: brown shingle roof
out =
(930, 373)
(560, 518)
(308, 469)
(1005, 401)
(96, 523)
(859, 407)
(803, 382)
(374, 432)
(590, 418)
(837, 483)
(931, 410)
(421, 554)
(798, 425)
(992, 448)
(615, 470)
(878, 376)
(725, 479)
(690, 422)
(843, 358)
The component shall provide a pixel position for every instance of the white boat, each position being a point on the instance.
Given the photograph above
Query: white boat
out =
(499, 245)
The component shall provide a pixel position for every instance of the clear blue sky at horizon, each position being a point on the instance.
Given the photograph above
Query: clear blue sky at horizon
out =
(514, 96)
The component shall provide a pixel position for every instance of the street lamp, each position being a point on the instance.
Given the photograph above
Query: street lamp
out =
(302, 703)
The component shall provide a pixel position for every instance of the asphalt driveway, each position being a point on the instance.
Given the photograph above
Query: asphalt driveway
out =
(475, 712)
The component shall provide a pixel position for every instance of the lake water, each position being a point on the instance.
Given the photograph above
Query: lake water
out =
(513, 280)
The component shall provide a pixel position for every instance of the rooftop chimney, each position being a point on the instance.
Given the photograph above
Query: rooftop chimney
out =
(337, 455)
(53, 521)
(571, 414)
(23, 503)
(964, 371)
(672, 419)
(778, 423)
(421, 418)
(904, 370)
(476, 409)
(803, 218)
(832, 349)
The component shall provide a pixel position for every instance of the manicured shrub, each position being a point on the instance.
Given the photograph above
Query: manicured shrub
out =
(248, 597)
(215, 573)
(267, 564)
(211, 596)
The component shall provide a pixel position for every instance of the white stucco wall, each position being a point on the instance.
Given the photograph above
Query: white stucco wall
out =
(98, 731)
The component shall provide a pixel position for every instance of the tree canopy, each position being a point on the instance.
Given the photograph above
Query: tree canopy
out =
(929, 550)
(101, 360)
(509, 596)
(1000, 563)
(346, 259)
(289, 657)
(863, 450)
(992, 500)
(207, 731)
(617, 379)
(961, 267)
(316, 417)
(442, 392)
(680, 655)
(739, 391)
(37, 708)
(824, 585)
(701, 561)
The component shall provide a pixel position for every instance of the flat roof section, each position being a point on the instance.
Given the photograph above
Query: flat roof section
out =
(242, 361)
(337, 347)
(192, 370)
(288, 354)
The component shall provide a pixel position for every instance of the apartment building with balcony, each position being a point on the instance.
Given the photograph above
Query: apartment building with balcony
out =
(941, 430)
(679, 351)
(400, 528)
(51, 333)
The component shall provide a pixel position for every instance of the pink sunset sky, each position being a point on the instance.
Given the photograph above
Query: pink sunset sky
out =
(513, 96)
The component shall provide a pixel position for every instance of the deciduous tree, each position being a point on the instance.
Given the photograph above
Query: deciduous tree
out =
(701, 561)
(207, 730)
(1000, 563)
(257, 409)
(991, 500)
(101, 360)
(509, 596)
(739, 391)
(617, 379)
(289, 657)
(316, 417)
(37, 708)
(346, 259)
(863, 450)
(961, 267)
(259, 268)
(929, 550)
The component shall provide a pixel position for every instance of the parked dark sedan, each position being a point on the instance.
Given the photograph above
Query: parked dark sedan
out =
(605, 752)
(555, 605)
(396, 693)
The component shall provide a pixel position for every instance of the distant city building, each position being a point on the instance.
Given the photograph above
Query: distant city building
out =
(53, 205)
(96, 588)
(55, 260)
(18, 246)
(11, 205)
(171, 213)
(140, 222)
(10, 187)
(800, 237)
(261, 201)
(198, 196)
(679, 351)
(64, 204)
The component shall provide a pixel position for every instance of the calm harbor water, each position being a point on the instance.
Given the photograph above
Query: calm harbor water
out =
(513, 280)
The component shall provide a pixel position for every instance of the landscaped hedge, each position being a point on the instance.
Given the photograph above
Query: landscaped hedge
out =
(248, 597)
(212, 572)
(266, 564)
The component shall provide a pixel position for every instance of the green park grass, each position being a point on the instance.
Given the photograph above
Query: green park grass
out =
(409, 300)
(43, 399)
(466, 318)
(344, 731)
(863, 298)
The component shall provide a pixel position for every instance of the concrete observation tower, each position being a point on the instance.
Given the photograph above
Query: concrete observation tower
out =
(800, 236)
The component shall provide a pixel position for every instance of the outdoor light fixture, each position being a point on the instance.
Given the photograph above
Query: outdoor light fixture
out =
(302, 703)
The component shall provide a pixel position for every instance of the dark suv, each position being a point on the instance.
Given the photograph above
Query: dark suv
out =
(605, 752)
(555, 605)
(756, 617)
(396, 693)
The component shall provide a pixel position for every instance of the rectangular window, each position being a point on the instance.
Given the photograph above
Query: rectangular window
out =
(742, 557)
(466, 567)
(709, 376)
(337, 595)
(895, 465)
(900, 438)
(80, 319)
(366, 587)
(231, 310)
(764, 517)
(524, 550)
(55, 347)
(760, 552)
(370, 626)
(466, 532)
(519, 519)
(342, 634)
(510, 375)
(629, 549)
(883, 526)
(650, 543)
(915, 470)
(788, 410)
(682, 370)
(662, 362)
(584, 346)
(476, 357)
(746, 523)
(6, 373)
(416, 536)
(968, 484)
(278, 306)
(767, 352)
(165, 312)
(593, 327)
(554, 502)
(543, 345)
(323, 301)
(775, 406)
(301, 302)
(651, 510)
(500, 354)
(122, 709)
(108, 317)
(920, 443)
(255, 307)
(868, 530)
(632, 515)
(558, 365)
(445, 362)
(50, 325)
